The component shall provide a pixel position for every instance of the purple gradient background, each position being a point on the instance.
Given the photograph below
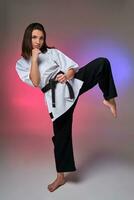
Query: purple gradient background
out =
(83, 35)
(83, 30)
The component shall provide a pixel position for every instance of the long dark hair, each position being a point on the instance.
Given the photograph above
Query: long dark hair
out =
(27, 40)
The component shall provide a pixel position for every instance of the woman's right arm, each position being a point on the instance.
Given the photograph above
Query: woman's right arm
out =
(34, 72)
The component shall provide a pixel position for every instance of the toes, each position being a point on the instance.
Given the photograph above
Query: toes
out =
(50, 188)
(113, 110)
(53, 187)
(112, 107)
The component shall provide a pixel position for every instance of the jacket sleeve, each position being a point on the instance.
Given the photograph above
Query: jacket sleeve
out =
(23, 71)
(64, 62)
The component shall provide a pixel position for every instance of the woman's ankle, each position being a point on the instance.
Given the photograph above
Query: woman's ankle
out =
(60, 175)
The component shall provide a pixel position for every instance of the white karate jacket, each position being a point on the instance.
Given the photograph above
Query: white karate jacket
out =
(50, 63)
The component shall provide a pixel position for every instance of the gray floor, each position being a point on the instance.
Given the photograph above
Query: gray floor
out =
(27, 166)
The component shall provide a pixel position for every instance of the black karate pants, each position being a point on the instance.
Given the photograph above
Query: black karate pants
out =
(99, 72)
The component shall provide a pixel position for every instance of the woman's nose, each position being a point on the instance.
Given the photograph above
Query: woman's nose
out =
(37, 41)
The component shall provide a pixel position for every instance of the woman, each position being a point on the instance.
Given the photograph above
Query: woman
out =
(62, 82)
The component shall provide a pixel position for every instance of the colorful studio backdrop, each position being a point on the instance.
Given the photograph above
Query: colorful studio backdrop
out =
(83, 30)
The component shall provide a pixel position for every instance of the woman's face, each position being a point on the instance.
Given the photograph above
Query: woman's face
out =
(37, 39)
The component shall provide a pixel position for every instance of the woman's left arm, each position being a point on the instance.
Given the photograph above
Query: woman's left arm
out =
(70, 74)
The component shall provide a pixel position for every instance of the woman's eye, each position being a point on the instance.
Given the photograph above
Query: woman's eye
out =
(34, 37)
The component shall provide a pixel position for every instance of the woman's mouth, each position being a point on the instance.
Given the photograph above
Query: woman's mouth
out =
(37, 46)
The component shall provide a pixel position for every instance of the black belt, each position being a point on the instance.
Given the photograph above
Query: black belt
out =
(52, 85)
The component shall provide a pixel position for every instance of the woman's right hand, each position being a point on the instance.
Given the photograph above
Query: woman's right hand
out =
(35, 53)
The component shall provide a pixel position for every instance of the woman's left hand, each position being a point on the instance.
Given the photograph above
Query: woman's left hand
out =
(61, 78)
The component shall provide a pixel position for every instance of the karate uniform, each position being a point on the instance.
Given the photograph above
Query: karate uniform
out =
(51, 63)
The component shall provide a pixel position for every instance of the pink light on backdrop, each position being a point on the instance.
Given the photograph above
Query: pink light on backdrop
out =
(26, 109)
(27, 103)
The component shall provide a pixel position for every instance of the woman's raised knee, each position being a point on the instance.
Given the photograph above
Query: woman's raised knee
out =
(104, 60)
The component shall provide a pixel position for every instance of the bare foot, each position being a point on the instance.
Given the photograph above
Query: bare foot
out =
(112, 105)
(57, 183)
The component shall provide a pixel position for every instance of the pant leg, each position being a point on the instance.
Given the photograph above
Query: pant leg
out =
(62, 139)
(98, 71)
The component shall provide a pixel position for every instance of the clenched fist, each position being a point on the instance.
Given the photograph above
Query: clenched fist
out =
(35, 53)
